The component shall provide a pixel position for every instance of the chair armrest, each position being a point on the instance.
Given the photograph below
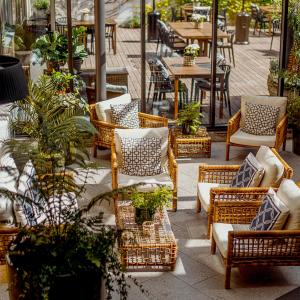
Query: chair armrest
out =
(151, 121)
(281, 132)
(288, 171)
(261, 246)
(218, 173)
(114, 167)
(172, 165)
(233, 125)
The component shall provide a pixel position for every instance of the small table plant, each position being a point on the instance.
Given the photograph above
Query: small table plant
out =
(198, 20)
(146, 204)
(190, 53)
(189, 118)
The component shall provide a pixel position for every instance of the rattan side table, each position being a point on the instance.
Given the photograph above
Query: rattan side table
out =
(198, 144)
(140, 252)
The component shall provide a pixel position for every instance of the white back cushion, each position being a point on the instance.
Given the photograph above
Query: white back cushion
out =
(289, 194)
(274, 169)
(162, 132)
(103, 110)
(265, 100)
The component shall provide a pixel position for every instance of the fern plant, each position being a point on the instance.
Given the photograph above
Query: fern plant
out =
(189, 118)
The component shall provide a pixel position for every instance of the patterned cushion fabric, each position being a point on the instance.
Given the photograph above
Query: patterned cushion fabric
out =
(250, 173)
(260, 119)
(141, 156)
(125, 115)
(271, 215)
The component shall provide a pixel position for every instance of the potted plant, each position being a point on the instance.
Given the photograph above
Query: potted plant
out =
(189, 118)
(146, 204)
(41, 7)
(52, 49)
(293, 110)
(79, 51)
(63, 253)
(198, 20)
(190, 53)
(23, 40)
(62, 81)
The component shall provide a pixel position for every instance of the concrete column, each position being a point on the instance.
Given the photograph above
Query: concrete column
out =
(99, 10)
(52, 15)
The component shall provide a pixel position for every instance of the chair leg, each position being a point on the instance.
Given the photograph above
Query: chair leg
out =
(198, 205)
(192, 87)
(201, 100)
(228, 101)
(149, 90)
(95, 150)
(227, 151)
(271, 42)
(227, 276)
(157, 45)
(213, 247)
(233, 60)
(175, 201)
(229, 54)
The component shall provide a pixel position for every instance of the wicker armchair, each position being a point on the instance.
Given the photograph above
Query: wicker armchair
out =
(106, 129)
(171, 174)
(236, 137)
(214, 181)
(240, 247)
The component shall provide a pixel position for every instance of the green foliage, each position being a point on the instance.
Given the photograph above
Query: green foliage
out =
(79, 51)
(293, 110)
(23, 39)
(61, 81)
(41, 4)
(189, 118)
(52, 46)
(157, 199)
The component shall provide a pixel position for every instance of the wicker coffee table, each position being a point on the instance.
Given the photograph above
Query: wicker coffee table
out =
(140, 252)
(198, 144)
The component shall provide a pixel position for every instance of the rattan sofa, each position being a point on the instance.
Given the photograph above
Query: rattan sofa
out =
(236, 137)
(241, 247)
(169, 178)
(106, 129)
(216, 180)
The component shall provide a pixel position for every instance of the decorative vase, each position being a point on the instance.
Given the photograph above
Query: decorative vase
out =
(148, 228)
(142, 215)
(188, 61)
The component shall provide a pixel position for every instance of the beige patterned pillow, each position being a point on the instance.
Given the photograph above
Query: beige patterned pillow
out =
(260, 119)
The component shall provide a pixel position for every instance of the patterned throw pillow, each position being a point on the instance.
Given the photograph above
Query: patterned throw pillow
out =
(125, 115)
(250, 173)
(141, 156)
(272, 214)
(260, 119)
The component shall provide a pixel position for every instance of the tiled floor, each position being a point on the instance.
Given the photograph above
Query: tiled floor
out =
(198, 274)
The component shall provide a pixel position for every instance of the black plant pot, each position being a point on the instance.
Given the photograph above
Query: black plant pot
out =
(142, 215)
(296, 140)
(186, 129)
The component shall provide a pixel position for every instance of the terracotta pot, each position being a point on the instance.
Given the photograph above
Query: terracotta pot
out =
(188, 61)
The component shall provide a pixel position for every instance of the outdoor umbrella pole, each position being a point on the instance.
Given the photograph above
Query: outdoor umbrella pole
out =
(70, 42)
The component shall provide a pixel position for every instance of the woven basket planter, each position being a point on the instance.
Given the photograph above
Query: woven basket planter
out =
(188, 61)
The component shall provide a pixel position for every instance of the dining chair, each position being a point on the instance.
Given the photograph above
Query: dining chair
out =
(259, 19)
(223, 45)
(203, 85)
(109, 34)
(276, 25)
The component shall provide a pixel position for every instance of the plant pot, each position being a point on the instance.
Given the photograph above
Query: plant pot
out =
(186, 129)
(142, 215)
(41, 13)
(188, 61)
(52, 66)
(296, 140)
(77, 62)
(24, 57)
(76, 287)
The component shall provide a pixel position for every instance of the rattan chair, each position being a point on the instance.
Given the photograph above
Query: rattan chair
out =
(171, 172)
(240, 247)
(106, 130)
(214, 182)
(236, 137)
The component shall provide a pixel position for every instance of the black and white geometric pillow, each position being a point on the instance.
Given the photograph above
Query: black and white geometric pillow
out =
(141, 156)
(125, 115)
(267, 215)
(249, 174)
(260, 119)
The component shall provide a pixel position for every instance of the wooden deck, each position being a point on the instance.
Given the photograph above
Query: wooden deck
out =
(249, 77)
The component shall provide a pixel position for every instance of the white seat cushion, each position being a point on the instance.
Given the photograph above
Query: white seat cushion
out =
(103, 109)
(289, 193)
(273, 167)
(151, 182)
(220, 234)
(243, 138)
(203, 190)
(280, 102)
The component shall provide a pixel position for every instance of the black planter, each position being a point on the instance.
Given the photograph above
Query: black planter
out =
(186, 129)
(142, 215)
(296, 140)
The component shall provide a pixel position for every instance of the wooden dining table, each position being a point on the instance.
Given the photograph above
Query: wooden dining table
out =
(108, 23)
(269, 11)
(201, 69)
(188, 31)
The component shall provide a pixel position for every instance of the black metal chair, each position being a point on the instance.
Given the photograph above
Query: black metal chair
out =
(163, 84)
(222, 19)
(276, 26)
(223, 45)
(259, 19)
(109, 34)
(175, 17)
(205, 86)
